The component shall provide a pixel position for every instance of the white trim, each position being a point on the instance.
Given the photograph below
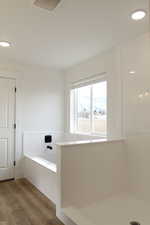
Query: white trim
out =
(42, 132)
(91, 108)
(73, 122)
(89, 80)
(90, 134)
(15, 119)
(7, 78)
(15, 136)
(76, 124)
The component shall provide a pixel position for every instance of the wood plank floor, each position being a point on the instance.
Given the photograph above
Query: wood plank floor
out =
(22, 204)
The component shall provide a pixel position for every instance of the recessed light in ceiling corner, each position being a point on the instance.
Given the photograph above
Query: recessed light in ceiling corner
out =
(138, 14)
(140, 96)
(47, 4)
(132, 72)
(147, 93)
(4, 44)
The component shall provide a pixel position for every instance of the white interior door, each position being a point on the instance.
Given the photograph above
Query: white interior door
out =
(7, 132)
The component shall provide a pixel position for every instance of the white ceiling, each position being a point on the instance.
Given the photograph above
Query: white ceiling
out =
(74, 31)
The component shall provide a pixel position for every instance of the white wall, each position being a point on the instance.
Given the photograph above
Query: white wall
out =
(129, 115)
(40, 101)
(135, 55)
(34, 144)
(43, 100)
(124, 111)
(107, 62)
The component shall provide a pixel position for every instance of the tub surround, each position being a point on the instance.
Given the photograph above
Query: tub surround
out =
(40, 164)
(42, 174)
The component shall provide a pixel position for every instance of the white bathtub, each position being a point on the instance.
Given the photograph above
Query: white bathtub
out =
(40, 163)
(41, 172)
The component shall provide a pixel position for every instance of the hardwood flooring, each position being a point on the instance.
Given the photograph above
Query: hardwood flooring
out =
(22, 204)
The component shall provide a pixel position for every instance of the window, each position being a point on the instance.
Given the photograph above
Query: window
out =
(89, 109)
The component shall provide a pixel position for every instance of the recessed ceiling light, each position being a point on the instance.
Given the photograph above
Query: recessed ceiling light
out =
(138, 15)
(141, 96)
(132, 72)
(4, 44)
(146, 93)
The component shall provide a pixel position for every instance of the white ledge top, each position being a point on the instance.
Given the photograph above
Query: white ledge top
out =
(92, 141)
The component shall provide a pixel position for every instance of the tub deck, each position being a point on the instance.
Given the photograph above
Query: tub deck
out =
(43, 162)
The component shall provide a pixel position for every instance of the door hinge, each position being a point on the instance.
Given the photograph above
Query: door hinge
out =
(15, 89)
(15, 126)
(14, 163)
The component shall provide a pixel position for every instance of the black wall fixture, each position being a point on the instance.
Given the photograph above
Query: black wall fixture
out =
(48, 139)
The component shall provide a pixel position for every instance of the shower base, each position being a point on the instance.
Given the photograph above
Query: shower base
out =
(118, 210)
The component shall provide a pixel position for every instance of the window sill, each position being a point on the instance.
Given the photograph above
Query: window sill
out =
(89, 135)
(83, 142)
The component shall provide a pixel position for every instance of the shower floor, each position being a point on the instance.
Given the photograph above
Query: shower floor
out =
(118, 210)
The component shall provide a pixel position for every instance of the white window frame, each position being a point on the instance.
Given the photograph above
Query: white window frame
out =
(73, 115)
